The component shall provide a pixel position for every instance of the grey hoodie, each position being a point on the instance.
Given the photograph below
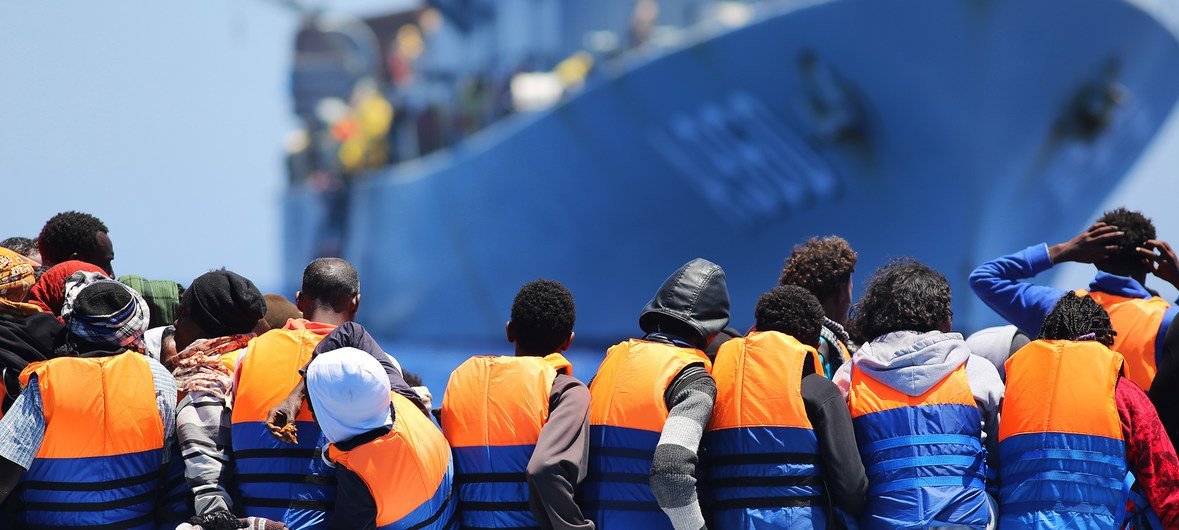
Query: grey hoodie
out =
(913, 362)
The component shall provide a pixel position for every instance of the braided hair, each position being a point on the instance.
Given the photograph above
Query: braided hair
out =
(1076, 318)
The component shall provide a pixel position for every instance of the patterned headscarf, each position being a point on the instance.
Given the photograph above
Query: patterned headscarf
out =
(49, 292)
(199, 368)
(16, 278)
(102, 311)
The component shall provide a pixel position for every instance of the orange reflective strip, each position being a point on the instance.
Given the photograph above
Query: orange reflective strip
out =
(628, 389)
(1061, 386)
(497, 401)
(269, 372)
(1136, 321)
(867, 395)
(759, 382)
(402, 469)
(99, 406)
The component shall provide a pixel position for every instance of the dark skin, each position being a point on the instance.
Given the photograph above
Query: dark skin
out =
(1097, 242)
(1161, 259)
(314, 311)
(10, 472)
(837, 305)
(522, 352)
(1090, 246)
(103, 257)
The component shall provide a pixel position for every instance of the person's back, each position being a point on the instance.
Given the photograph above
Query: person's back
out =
(780, 450)
(920, 404)
(267, 373)
(273, 479)
(394, 465)
(103, 425)
(493, 413)
(95, 420)
(518, 425)
(1066, 445)
(650, 401)
(1122, 246)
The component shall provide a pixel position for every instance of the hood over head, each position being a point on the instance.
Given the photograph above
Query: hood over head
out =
(912, 362)
(696, 294)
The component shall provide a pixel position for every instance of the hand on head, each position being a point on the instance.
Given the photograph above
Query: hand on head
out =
(1161, 260)
(1090, 246)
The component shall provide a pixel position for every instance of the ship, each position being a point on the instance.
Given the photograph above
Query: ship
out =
(949, 131)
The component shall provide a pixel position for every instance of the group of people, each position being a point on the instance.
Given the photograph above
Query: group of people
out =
(139, 404)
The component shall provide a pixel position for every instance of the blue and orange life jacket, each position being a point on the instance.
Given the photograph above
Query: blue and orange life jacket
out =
(627, 413)
(492, 414)
(99, 462)
(408, 472)
(1137, 322)
(761, 450)
(923, 455)
(272, 479)
(1061, 447)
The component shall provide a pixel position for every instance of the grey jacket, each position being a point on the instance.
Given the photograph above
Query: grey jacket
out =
(913, 362)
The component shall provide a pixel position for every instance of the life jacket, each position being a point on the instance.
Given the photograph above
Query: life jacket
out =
(923, 455)
(1063, 455)
(627, 413)
(99, 462)
(408, 471)
(492, 414)
(1137, 322)
(274, 479)
(761, 452)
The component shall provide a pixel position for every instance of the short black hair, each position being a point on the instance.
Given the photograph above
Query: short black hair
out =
(330, 282)
(791, 310)
(68, 233)
(1074, 317)
(904, 295)
(1136, 230)
(821, 265)
(542, 316)
(21, 245)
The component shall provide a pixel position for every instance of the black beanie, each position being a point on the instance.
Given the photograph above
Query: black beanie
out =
(223, 303)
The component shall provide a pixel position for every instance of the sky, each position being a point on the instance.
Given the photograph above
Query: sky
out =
(164, 119)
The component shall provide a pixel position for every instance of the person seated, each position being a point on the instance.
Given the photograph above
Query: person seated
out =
(649, 404)
(1122, 246)
(86, 436)
(924, 408)
(773, 401)
(519, 425)
(824, 266)
(393, 465)
(1075, 432)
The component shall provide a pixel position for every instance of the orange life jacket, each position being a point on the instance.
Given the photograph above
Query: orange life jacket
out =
(761, 450)
(407, 471)
(99, 462)
(1137, 322)
(1062, 451)
(923, 455)
(627, 413)
(492, 414)
(273, 479)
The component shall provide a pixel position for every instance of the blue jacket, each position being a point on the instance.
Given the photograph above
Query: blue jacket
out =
(1024, 304)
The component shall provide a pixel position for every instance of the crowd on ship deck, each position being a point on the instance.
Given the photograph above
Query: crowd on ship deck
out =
(133, 403)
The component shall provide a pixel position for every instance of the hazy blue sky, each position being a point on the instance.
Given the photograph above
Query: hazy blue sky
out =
(165, 119)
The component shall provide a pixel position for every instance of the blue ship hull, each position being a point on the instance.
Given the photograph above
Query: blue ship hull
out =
(951, 131)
